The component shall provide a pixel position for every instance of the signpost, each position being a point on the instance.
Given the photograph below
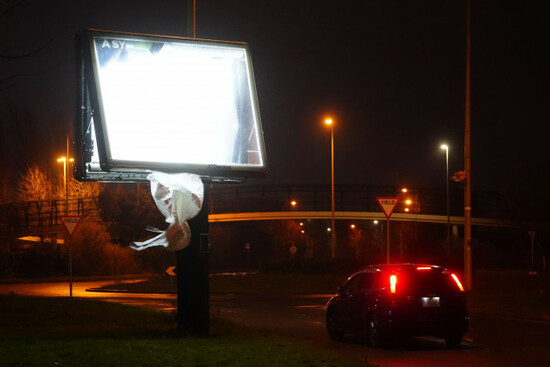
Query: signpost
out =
(70, 222)
(388, 205)
(532, 236)
(171, 271)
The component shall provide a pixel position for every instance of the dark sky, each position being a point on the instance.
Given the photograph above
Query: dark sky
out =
(391, 73)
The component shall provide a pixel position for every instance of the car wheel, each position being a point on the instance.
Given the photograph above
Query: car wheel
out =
(453, 340)
(333, 332)
(374, 336)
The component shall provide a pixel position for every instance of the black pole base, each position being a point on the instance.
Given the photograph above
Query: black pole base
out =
(193, 299)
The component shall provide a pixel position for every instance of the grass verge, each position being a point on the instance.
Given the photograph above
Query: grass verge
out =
(74, 332)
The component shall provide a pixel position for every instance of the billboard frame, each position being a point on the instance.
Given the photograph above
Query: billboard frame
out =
(90, 132)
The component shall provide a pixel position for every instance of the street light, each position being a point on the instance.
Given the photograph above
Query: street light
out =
(446, 147)
(64, 160)
(66, 183)
(329, 122)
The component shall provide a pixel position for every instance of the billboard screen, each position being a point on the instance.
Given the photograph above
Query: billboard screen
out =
(166, 104)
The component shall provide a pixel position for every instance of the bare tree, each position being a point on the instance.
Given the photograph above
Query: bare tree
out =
(83, 190)
(35, 185)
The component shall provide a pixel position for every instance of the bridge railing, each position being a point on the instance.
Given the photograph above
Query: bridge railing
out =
(45, 213)
(244, 198)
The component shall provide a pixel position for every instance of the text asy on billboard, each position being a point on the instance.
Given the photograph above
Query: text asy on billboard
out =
(160, 103)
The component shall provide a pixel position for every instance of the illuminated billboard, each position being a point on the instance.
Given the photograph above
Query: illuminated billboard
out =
(157, 103)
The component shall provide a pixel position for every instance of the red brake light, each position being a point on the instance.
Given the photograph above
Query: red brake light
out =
(423, 268)
(457, 282)
(393, 283)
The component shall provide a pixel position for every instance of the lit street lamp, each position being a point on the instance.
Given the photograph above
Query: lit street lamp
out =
(66, 183)
(329, 122)
(65, 175)
(446, 147)
(64, 160)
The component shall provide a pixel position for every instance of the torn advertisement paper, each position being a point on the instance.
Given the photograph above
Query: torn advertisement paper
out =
(179, 198)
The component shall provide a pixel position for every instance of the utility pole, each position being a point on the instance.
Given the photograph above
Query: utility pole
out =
(333, 225)
(467, 166)
(66, 173)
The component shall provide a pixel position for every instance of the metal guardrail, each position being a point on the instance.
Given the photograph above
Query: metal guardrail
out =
(42, 216)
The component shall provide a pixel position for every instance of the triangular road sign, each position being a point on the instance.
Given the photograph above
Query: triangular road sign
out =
(70, 222)
(388, 205)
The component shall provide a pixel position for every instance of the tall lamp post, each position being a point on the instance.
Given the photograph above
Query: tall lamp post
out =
(66, 161)
(330, 123)
(65, 174)
(65, 182)
(446, 148)
(467, 165)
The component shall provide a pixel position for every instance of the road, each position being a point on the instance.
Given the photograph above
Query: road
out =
(489, 342)
(159, 301)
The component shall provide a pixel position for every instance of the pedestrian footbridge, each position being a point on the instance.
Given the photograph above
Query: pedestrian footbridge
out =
(237, 203)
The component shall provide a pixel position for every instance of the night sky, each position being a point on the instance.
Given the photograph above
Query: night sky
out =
(391, 74)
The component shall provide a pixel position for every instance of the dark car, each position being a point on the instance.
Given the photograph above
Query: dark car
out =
(395, 301)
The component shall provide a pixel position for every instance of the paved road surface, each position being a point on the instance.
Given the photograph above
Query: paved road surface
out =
(490, 341)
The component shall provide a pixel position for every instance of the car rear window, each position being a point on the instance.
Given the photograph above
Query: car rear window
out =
(433, 280)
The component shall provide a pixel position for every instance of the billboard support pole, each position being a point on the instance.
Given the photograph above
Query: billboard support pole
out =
(193, 298)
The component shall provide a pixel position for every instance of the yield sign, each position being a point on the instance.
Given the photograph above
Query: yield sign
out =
(388, 205)
(70, 222)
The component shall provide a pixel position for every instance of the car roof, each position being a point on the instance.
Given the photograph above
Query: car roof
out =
(395, 267)
(400, 267)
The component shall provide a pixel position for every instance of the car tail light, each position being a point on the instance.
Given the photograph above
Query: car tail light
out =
(393, 283)
(457, 282)
(423, 268)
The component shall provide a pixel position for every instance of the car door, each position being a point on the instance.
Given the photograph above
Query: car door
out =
(349, 305)
(364, 298)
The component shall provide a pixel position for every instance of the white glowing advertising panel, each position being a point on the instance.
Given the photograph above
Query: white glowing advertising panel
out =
(170, 104)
